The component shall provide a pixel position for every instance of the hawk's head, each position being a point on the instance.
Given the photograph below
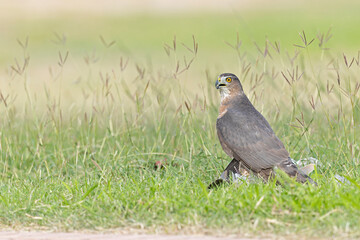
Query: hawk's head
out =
(229, 85)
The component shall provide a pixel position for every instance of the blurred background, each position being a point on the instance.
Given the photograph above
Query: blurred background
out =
(52, 50)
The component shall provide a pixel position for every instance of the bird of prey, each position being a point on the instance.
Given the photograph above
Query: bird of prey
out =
(247, 137)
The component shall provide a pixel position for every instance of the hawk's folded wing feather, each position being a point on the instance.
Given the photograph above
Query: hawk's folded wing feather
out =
(249, 137)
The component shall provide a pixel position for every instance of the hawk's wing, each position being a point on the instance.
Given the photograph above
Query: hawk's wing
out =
(249, 137)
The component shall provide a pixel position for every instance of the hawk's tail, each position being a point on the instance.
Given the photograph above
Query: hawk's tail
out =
(292, 170)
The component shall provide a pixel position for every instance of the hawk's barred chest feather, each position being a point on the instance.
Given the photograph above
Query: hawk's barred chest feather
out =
(227, 98)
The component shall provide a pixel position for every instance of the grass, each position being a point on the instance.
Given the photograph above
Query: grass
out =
(81, 136)
(142, 35)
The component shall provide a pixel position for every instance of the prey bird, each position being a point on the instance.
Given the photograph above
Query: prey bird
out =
(247, 137)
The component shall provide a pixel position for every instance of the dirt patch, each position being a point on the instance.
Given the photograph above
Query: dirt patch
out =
(99, 236)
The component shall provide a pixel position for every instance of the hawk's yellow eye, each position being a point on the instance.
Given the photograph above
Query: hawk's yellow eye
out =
(228, 79)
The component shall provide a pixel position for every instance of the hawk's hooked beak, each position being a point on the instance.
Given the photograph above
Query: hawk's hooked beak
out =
(219, 83)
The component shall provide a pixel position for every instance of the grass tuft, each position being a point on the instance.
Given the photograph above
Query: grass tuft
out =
(104, 140)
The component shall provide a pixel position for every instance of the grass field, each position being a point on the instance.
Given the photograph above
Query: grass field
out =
(90, 105)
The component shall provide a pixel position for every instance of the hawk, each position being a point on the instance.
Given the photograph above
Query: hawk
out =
(247, 137)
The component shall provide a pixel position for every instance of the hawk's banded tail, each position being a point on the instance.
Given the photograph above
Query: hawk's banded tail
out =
(292, 170)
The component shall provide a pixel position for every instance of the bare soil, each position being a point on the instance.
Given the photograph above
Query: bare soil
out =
(37, 235)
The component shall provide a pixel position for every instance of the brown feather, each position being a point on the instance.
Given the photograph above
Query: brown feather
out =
(245, 135)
